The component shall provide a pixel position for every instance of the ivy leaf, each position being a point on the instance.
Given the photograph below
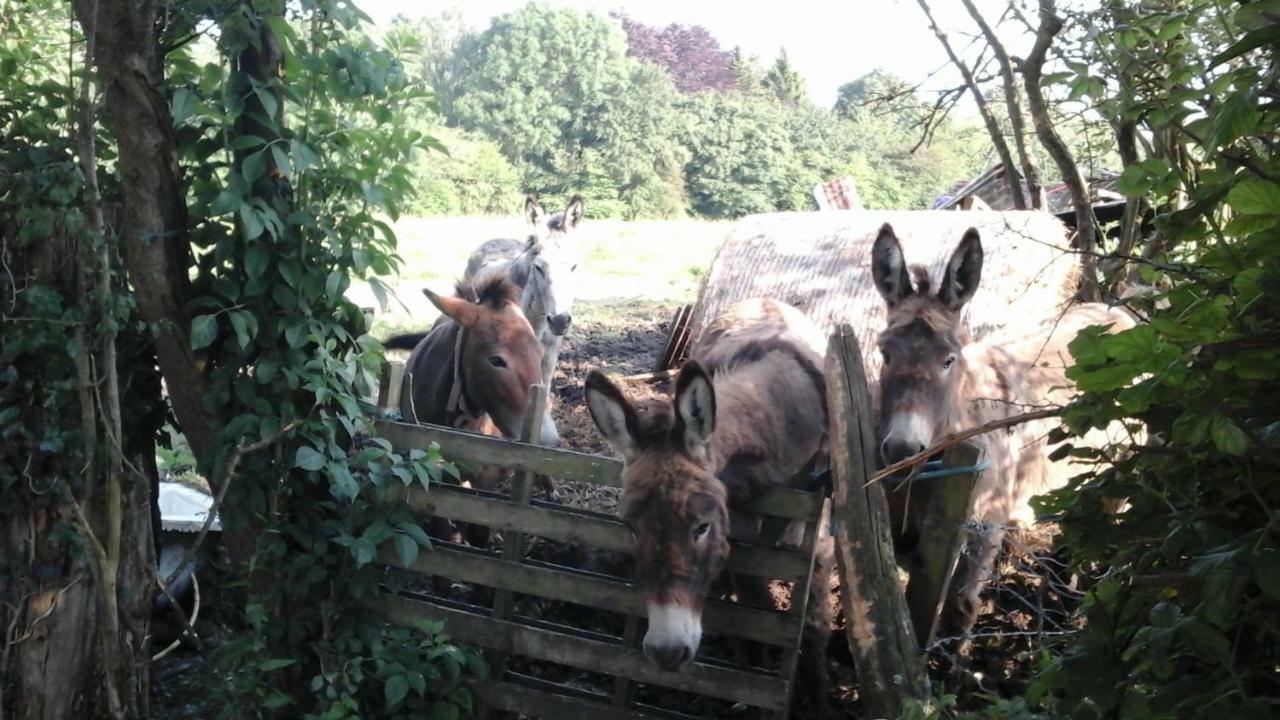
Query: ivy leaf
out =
(396, 689)
(333, 285)
(269, 102)
(246, 142)
(1228, 436)
(276, 664)
(250, 221)
(281, 159)
(379, 292)
(204, 329)
(308, 458)
(406, 549)
(184, 104)
(415, 532)
(1255, 196)
(253, 167)
(241, 326)
(255, 260)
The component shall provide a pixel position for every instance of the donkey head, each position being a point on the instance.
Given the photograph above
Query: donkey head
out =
(553, 257)
(921, 344)
(676, 508)
(500, 357)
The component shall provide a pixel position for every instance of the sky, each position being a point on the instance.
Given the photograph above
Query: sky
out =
(828, 42)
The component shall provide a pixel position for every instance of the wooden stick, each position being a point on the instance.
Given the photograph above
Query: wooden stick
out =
(957, 438)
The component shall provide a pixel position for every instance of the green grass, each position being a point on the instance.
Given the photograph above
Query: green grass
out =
(658, 260)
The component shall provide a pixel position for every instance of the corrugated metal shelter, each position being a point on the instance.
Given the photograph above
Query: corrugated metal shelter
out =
(821, 263)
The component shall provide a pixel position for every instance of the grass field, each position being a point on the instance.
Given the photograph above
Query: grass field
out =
(659, 261)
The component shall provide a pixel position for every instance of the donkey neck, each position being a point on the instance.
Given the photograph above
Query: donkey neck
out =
(434, 380)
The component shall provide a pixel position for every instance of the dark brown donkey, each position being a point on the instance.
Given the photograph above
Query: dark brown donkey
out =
(747, 414)
(474, 370)
(936, 381)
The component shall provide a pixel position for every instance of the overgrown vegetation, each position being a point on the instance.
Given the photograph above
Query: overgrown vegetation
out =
(1181, 617)
(247, 175)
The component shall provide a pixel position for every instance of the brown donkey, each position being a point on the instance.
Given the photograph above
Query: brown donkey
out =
(747, 415)
(473, 371)
(936, 381)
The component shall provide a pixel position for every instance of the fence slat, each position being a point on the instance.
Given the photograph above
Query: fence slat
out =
(721, 618)
(587, 529)
(942, 538)
(756, 689)
(512, 697)
(884, 646)
(581, 467)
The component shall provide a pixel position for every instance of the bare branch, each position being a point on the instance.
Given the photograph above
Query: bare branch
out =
(957, 438)
(1086, 223)
(1029, 170)
(993, 127)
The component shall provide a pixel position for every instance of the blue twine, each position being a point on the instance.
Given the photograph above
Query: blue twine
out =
(949, 472)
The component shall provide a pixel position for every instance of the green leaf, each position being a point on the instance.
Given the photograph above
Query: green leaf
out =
(256, 259)
(251, 222)
(1228, 436)
(1255, 196)
(296, 335)
(184, 103)
(276, 664)
(241, 326)
(204, 329)
(396, 689)
(308, 458)
(246, 142)
(406, 549)
(254, 166)
(364, 551)
(281, 158)
(443, 711)
(333, 285)
(1266, 571)
(276, 700)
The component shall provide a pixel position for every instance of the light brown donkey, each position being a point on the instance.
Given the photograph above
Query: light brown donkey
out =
(936, 381)
(747, 414)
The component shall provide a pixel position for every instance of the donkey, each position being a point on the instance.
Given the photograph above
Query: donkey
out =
(748, 413)
(473, 370)
(543, 267)
(936, 381)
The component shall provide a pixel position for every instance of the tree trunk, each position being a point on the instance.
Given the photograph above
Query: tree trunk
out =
(1014, 185)
(1029, 170)
(1086, 221)
(154, 239)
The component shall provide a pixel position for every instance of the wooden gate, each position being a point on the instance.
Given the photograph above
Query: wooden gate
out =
(541, 665)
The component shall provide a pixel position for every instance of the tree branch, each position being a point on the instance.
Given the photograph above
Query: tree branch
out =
(1029, 170)
(1086, 222)
(993, 127)
(957, 438)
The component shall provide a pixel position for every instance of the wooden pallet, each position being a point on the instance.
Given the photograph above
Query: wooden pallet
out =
(515, 640)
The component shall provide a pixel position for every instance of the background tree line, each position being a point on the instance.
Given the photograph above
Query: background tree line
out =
(656, 121)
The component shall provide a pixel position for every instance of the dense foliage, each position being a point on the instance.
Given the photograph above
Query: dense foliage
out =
(648, 121)
(1181, 617)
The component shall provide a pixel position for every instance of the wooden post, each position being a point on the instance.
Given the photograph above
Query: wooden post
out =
(942, 537)
(513, 542)
(879, 623)
(389, 386)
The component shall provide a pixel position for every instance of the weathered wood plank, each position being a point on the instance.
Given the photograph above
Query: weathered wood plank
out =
(756, 689)
(565, 464)
(942, 538)
(588, 529)
(879, 623)
(471, 566)
(389, 386)
(516, 698)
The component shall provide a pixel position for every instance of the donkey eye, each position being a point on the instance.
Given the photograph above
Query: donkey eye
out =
(573, 267)
(946, 364)
(497, 361)
(702, 529)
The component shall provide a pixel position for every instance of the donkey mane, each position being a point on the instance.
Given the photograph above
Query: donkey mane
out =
(493, 290)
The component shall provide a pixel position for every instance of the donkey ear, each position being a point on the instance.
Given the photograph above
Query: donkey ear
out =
(889, 268)
(572, 213)
(964, 270)
(533, 211)
(696, 408)
(614, 416)
(457, 309)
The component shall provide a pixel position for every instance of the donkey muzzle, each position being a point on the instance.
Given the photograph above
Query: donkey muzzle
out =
(673, 636)
(559, 323)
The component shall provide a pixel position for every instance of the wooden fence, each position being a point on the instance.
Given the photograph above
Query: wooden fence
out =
(601, 672)
(546, 667)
